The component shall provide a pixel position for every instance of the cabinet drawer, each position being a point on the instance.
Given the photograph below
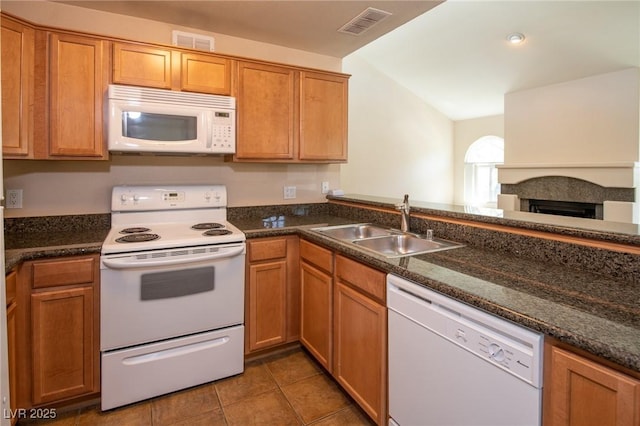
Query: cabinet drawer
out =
(11, 280)
(267, 249)
(316, 255)
(369, 280)
(64, 272)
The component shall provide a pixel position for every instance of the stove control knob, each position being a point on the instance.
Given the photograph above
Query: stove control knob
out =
(207, 196)
(136, 198)
(123, 198)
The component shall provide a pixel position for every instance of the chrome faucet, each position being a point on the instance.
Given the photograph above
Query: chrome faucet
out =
(404, 211)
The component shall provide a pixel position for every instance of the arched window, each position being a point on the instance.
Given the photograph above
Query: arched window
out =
(481, 187)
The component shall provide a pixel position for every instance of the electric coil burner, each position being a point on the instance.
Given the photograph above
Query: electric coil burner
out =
(171, 293)
(209, 225)
(137, 238)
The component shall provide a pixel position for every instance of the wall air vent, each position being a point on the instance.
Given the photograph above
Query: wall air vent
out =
(364, 21)
(192, 41)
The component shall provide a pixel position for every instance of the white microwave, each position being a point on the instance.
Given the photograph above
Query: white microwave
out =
(157, 121)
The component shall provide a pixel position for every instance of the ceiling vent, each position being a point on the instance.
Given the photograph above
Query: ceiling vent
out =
(364, 21)
(193, 41)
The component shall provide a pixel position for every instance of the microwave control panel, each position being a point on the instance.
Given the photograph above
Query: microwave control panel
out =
(222, 129)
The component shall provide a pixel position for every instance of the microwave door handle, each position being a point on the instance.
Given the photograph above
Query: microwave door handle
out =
(130, 263)
(209, 126)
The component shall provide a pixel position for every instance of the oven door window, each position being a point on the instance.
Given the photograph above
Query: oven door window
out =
(171, 284)
(159, 127)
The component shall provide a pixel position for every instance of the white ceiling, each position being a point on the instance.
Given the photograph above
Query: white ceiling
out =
(454, 55)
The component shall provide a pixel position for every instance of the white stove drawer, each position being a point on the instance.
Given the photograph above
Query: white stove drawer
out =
(135, 374)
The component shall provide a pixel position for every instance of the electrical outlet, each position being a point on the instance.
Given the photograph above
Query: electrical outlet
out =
(14, 199)
(289, 192)
(325, 187)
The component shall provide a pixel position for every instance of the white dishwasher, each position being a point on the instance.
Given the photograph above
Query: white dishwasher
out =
(452, 364)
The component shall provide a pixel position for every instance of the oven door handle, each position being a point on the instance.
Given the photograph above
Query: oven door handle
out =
(131, 262)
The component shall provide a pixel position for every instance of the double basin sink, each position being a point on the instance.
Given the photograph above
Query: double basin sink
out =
(386, 241)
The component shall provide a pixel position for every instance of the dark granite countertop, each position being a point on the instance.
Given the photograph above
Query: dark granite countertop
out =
(592, 312)
(23, 246)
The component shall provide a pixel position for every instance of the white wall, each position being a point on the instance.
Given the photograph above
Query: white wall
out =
(397, 143)
(467, 132)
(590, 120)
(82, 187)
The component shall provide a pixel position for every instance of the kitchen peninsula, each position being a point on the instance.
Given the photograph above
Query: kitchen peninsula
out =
(545, 277)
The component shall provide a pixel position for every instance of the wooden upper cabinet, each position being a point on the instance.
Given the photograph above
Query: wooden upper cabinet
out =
(205, 74)
(160, 68)
(323, 117)
(77, 86)
(289, 115)
(141, 65)
(18, 46)
(266, 112)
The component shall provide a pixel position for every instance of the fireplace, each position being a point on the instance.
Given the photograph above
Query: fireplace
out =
(566, 196)
(606, 192)
(563, 208)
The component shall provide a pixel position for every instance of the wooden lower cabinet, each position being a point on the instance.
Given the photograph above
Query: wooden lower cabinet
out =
(316, 288)
(58, 327)
(11, 283)
(582, 392)
(344, 324)
(62, 343)
(360, 336)
(272, 308)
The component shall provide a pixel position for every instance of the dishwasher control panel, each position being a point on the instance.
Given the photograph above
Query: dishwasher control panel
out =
(508, 354)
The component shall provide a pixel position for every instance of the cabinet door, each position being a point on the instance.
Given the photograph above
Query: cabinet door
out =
(77, 87)
(62, 331)
(267, 304)
(316, 312)
(11, 286)
(584, 393)
(323, 117)
(11, 346)
(266, 112)
(18, 45)
(140, 65)
(360, 349)
(205, 74)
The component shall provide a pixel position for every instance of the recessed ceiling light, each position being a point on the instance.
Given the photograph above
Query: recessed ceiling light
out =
(515, 38)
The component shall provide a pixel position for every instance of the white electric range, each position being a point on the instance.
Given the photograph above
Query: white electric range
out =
(172, 292)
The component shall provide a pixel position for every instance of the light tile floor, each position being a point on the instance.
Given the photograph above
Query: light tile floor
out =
(283, 389)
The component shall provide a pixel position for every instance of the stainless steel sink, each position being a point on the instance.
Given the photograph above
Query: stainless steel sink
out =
(405, 245)
(356, 231)
(388, 242)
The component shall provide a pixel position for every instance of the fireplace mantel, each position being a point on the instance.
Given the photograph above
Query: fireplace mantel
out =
(610, 175)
